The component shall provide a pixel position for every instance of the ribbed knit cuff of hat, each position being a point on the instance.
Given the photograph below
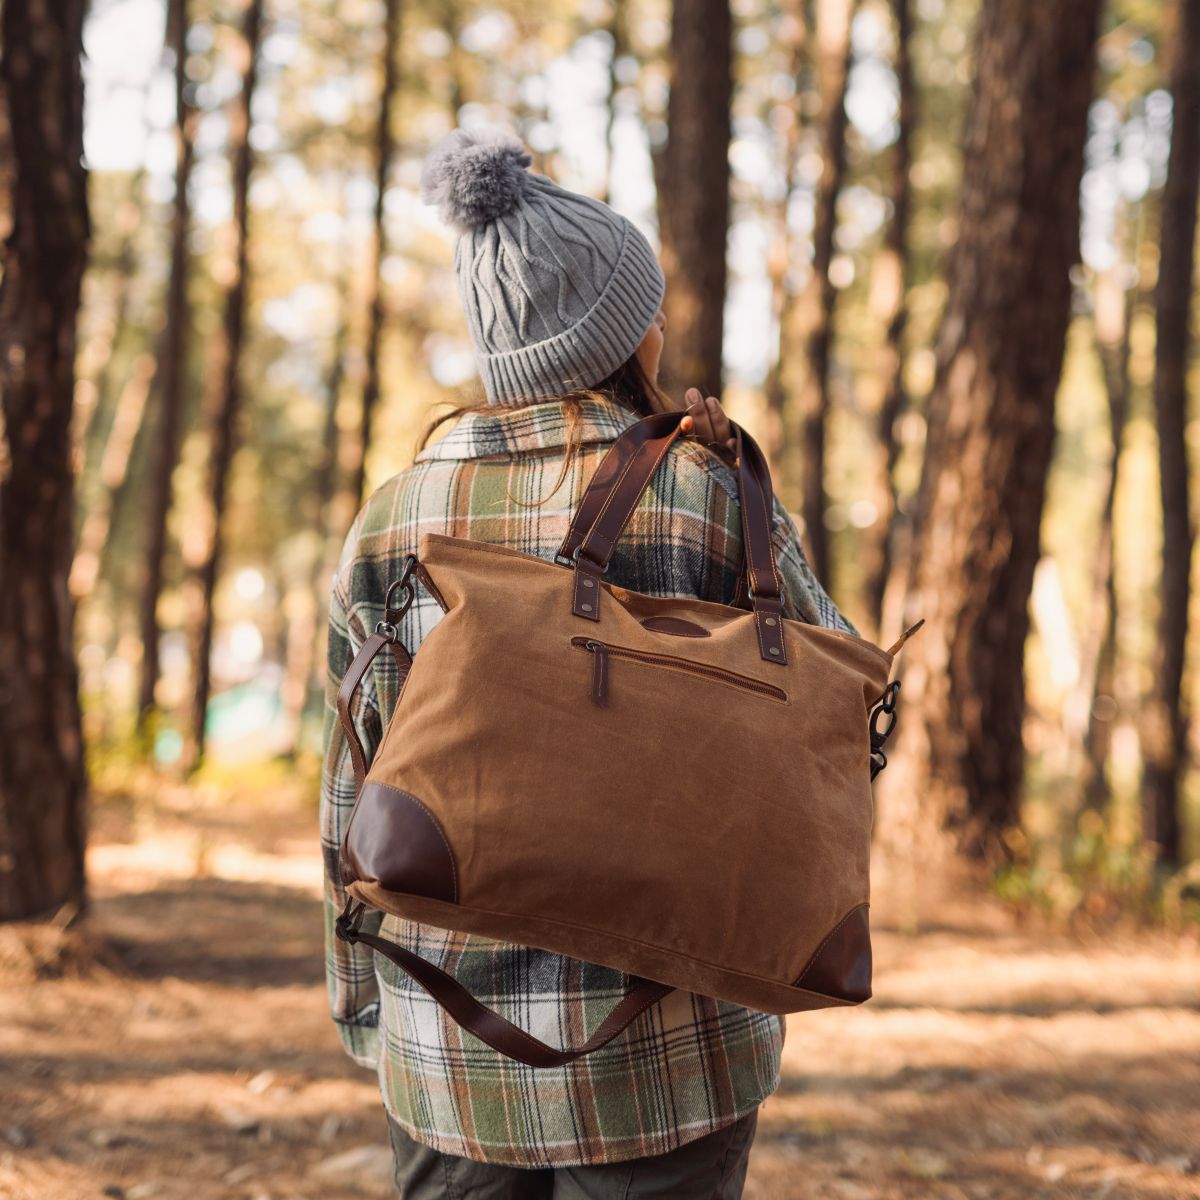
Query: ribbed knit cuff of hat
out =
(595, 346)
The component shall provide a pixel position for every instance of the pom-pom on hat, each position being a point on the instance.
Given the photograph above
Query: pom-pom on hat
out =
(558, 288)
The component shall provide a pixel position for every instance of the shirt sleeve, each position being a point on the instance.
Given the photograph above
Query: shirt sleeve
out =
(804, 597)
(349, 970)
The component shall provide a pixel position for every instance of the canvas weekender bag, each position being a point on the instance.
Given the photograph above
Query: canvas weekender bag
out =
(537, 783)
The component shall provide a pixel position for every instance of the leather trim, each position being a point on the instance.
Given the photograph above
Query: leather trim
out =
(841, 965)
(675, 626)
(585, 594)
(395, 841)
(420, 571)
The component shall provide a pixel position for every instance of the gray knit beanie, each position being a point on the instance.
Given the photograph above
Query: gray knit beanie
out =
(558, 289)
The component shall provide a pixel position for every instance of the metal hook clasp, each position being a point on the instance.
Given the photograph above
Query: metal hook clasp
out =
(884, 706)
(393, 613)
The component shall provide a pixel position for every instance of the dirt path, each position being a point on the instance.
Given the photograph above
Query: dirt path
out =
(185, 1051)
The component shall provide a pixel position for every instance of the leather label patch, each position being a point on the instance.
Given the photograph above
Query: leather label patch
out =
(675, 626)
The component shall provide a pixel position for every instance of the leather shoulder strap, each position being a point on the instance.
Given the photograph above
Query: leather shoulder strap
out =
(613, 473)
(490, 1027)
(350, 681)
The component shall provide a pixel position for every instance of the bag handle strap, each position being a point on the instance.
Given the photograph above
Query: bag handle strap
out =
(615, 491)
(488, 1026)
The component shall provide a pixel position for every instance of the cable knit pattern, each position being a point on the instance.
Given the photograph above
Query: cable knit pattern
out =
(558, 289)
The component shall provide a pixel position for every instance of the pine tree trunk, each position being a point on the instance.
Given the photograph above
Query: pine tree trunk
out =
(113, 471)
(694, 194)
(1087, 719)
(618, 32)
(226, 402)
(793, 34)
(172, 369)
(1164, 727)
(991, 422)
(42, 779)
(814, 313)
(385, 145)
(892, 289)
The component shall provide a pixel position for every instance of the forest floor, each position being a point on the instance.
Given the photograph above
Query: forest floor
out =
(180, 1046)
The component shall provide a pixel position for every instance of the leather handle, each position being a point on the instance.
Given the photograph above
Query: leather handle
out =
(613, 472)
(615, 491)
(350, 681)
(490, 1027)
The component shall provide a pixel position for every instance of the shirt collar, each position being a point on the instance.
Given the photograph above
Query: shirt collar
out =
(499, 431)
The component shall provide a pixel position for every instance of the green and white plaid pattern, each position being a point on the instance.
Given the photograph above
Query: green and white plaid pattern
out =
(690, 1064)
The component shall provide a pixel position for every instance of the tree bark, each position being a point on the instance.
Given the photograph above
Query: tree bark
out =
(172, 369)
(892, 290)
(1164, 727)
(694, 195)
(991, 426)
(618, 31)
(814, 313)
(1090, 710)
(793, 33)
(43, 783)
(226, 405)
(385, 146)
(114, 471)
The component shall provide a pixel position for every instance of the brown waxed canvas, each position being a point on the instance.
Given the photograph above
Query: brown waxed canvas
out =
(505, 801)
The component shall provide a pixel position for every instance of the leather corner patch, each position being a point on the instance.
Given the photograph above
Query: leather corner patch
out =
(675, 626)
(841, 965)
(396, 842)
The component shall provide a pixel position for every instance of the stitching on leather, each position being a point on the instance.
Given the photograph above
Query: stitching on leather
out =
(581, 534)
(670, 441)
(437, 825)
(612, 492)
(812, 958)
(827, 1001)
(672, 632)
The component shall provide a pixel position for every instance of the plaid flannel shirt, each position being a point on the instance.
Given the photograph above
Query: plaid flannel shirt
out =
(689, 1065)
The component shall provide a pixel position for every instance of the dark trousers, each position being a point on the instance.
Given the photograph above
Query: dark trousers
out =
(711, 1168)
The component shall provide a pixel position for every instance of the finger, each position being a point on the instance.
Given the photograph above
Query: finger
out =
(702, 429)
(717, 419)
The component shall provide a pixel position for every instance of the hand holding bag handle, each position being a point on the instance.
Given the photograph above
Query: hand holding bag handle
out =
(613, 495)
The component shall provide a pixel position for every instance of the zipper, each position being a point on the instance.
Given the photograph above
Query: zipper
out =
(604, 651)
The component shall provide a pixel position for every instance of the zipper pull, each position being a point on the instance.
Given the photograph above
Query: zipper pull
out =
(599, 673)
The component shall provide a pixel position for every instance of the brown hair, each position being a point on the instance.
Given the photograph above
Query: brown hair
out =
(628, 386)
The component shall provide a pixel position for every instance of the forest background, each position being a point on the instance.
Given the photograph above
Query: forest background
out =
(938, 255)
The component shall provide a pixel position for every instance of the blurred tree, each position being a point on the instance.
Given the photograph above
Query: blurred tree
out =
(693, 196)
(890, 289)
(814, 312)
(113, 471)
(618, 32)
(792, 35)
(42, 778)
(991, 419)
(225, 401)
(172, 366)
(1087, 720)
(385, 145)
(1164, 729)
